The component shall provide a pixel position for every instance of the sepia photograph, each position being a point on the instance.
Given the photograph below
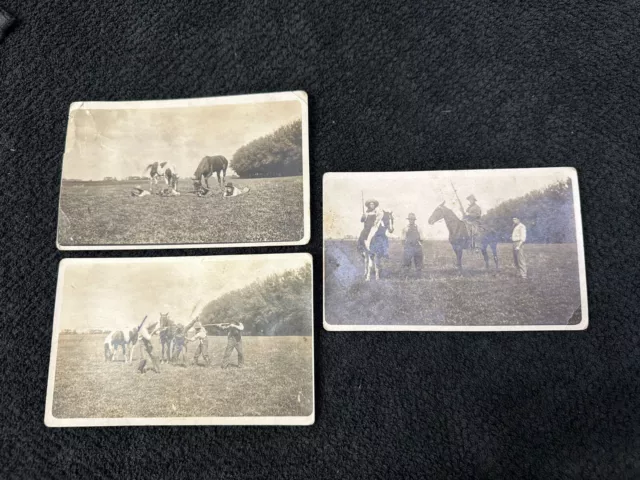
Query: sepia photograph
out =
(462, 250)
(209, 172)
(225, 340)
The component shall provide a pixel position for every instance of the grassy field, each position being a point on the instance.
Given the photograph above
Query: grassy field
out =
(275, 381)
(441, 296)
(104, 213)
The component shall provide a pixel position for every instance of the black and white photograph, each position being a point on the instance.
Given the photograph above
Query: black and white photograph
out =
(209, 172)
(454, 250)
(225, 340)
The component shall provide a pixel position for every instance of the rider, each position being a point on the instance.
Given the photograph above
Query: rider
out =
(472, 216)
(371, 219)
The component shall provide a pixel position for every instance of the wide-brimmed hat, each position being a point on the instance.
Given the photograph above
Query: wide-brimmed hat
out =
(411, 216)
(197, 325)
(374, 201)
(472, 198)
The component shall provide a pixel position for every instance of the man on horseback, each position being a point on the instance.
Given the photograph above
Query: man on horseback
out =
(371, 219)
(472, 217)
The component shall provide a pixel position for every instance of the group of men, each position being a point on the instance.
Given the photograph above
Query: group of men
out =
(234, 342)
(412, 234)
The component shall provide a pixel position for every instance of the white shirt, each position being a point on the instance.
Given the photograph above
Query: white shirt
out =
(519, 233)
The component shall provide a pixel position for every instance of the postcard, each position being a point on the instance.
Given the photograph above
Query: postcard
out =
(223, 340)
(210, 172)
(470, 250)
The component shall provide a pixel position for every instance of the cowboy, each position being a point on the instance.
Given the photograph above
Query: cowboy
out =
(371, 219)
(412, 239)
(202, 345)
(472, 216)
(231, 191)
(234, 341)
(518, 237)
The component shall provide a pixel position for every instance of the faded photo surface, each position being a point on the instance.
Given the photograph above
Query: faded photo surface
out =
(204, 172)
(481, 249)
(192, 340)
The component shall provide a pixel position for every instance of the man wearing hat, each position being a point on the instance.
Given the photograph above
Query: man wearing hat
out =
(202, 343)
(474, 212)
(412, 239)
(518, 237)
(371, 219)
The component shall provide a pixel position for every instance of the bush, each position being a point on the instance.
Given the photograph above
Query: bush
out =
(278, 154)
(547, 214)
(278, 305)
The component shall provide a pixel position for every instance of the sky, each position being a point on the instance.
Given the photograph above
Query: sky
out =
(122, 142)
(421, 193)
(107, 294)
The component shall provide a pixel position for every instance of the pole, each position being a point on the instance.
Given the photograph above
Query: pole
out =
(362, 195)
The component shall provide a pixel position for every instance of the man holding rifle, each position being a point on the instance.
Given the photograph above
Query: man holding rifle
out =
(234, 341)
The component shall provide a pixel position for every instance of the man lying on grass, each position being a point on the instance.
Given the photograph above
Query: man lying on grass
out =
(232, 191)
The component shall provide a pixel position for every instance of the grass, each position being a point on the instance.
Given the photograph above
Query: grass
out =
(441, 296)
(277, 380)
(104, 213)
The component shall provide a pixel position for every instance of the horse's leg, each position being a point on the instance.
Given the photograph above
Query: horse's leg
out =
(367, 274)
(494, 248)
(219, 179)
(459, 251)
(485, 256)
(376, 265)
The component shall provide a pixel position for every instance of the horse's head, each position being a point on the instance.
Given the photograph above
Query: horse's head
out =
(164, 319)
(437, 215)
(197, 185)
(387, 220)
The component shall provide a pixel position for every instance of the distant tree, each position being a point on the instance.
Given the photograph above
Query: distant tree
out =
(547, 214)
(277, 305)
(278, 154)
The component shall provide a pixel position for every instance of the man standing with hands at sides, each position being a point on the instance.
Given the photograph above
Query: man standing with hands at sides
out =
(202, 345)
(234, 341)
(518, 237)
(412, 240)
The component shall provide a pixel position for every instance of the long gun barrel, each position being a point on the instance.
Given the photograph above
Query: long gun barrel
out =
(458, 198)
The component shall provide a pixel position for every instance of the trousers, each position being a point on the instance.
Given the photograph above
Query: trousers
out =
(232, 345)
(520, 261)
(413, 253)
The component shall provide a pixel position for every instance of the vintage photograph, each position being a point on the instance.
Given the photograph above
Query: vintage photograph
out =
(454, 250)
(210, 172)
(224, 340)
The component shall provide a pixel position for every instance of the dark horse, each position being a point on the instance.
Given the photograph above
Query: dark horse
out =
(167, 332)
(207, 167)
(460, 237)
(379, 246)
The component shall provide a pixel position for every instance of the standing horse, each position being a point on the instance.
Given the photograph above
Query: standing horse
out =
(379, 246)
(120, 338)
(460, 235)
(164, 170)
(207, 167)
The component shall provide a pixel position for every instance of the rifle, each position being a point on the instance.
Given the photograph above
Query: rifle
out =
(219, 325)
(362, 194)
(142, 323)
(458, 198)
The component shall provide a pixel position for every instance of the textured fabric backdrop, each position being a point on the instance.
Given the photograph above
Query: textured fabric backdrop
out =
(392, 86)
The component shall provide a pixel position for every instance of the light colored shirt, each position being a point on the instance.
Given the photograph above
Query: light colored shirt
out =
(519, 233)
(236, 191)
(417, 230)
(201, 335)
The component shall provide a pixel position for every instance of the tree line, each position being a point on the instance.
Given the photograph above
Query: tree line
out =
(278, 154)
(281, 304)
(548, 215)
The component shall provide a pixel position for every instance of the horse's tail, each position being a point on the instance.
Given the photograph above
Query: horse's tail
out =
(149, 167)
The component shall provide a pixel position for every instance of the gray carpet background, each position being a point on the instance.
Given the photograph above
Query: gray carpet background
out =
(404, 85)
